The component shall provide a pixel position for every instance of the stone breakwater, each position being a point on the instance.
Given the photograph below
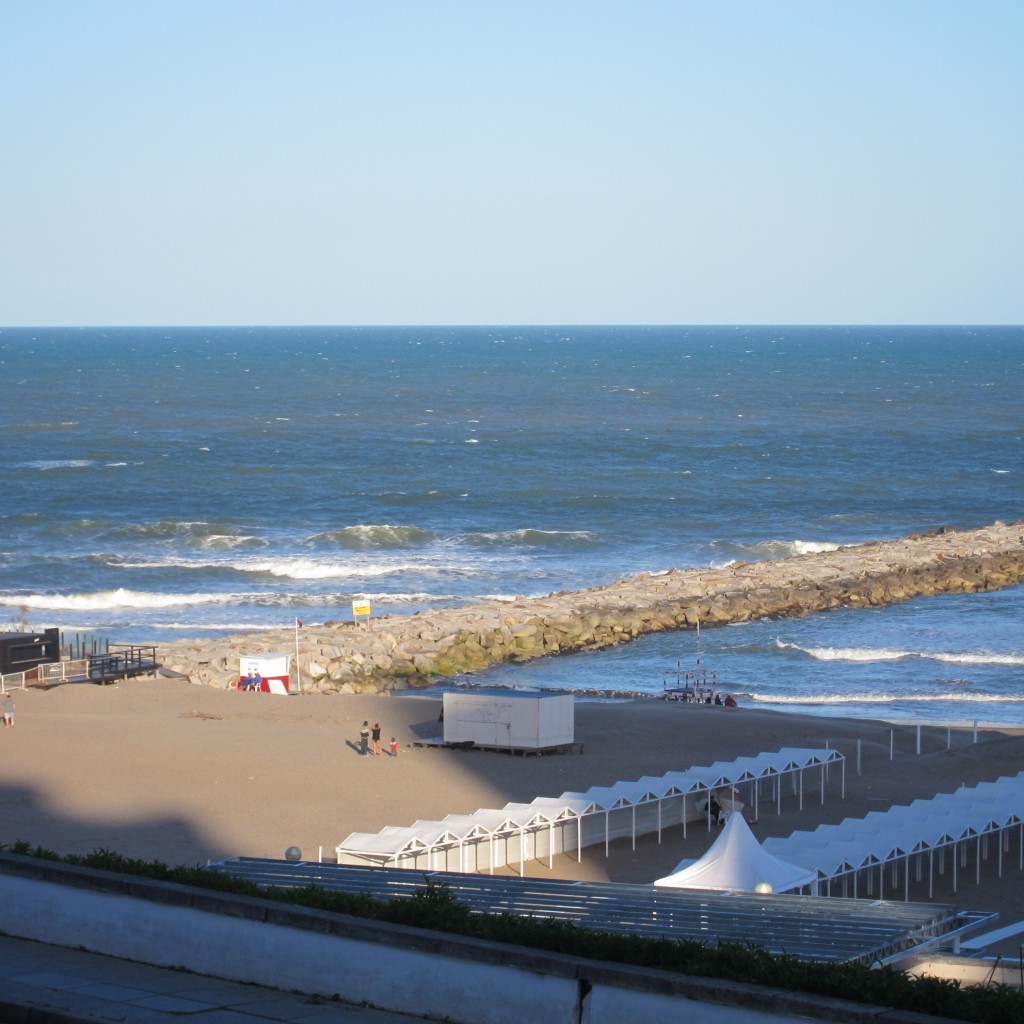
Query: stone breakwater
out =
(396, 651)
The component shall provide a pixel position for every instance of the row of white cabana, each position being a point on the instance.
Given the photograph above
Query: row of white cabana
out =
(906, 836)
(550, 825)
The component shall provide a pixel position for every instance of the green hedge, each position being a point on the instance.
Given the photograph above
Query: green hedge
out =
(435, 908)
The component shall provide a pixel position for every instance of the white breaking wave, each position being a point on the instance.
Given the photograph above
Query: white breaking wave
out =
(846, 653)
(887, 698)
(119, 598)
(302, 569)
(528, 535)
(867, 654)
(787, 548)
(59, 463)
(767, 550)
(140, 600)
(232, 627)
(298, 568)
(228, 541)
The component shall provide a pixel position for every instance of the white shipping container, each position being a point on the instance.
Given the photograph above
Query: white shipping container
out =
(512, 720)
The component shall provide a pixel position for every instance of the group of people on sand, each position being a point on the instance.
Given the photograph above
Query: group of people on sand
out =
(370, 743)
(253, 682)
(686, 696)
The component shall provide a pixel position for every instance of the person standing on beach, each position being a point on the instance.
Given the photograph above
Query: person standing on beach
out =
(394, 747)
(364, 739)
(8, 710)
(376, 739)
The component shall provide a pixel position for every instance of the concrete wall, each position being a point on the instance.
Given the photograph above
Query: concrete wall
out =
(390, 967)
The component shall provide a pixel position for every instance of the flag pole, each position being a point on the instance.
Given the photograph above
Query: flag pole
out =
(298, 671)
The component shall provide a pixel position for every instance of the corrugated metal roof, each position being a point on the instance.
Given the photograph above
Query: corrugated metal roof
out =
(808, 927)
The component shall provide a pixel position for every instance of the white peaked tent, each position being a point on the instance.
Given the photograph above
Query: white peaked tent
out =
(736, 861)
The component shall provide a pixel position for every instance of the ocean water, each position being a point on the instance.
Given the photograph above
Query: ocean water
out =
(196, 482)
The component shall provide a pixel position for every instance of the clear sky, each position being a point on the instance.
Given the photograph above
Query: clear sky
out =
(511, 161)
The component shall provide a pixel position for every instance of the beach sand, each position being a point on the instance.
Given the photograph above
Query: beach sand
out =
(167, 770)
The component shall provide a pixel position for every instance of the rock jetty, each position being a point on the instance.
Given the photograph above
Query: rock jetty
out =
(400, 651)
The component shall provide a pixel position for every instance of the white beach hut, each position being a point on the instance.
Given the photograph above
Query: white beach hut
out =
(273, 670)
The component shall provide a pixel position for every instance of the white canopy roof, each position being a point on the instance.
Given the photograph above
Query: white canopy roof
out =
(394, 843)
(737, 862)
(895, 835)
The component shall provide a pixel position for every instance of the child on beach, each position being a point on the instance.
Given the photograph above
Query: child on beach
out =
(9, 711)
(394, 747)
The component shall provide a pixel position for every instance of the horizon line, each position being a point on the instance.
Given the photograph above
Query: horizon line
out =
(502, 325)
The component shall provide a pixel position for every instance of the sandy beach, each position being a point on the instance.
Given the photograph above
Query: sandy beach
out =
(164, 769)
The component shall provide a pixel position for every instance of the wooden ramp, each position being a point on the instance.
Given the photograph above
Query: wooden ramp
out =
(121, 661)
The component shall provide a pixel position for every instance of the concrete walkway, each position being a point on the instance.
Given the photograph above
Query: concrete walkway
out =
(41, 984)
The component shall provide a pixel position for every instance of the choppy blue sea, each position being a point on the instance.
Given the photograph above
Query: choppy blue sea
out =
(169, 483)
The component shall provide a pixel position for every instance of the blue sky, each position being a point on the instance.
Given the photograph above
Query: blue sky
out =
(535, 161)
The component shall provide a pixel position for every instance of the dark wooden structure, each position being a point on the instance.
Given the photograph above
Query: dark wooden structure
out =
(21, 651)
(121, 661)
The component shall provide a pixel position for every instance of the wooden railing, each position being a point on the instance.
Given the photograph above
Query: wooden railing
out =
(122, 661)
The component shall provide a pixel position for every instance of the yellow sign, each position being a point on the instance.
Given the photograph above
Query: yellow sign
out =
(360, 607)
